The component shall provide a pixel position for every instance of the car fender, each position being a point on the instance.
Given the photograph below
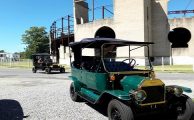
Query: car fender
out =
(114, 94)
(185, 89)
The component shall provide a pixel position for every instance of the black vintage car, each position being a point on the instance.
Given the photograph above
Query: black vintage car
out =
(43, 61)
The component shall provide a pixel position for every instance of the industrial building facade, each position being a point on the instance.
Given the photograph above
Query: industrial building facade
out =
(134, 20)
(184, 55)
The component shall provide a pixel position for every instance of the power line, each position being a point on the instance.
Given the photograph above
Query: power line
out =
(185, 11)
(189, 3)
(181, 12)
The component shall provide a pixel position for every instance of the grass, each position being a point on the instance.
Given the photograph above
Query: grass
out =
(16, 64)
(26, 63)
(174, 68)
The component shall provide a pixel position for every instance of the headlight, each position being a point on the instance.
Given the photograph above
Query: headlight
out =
(140, 95)
(178, 91)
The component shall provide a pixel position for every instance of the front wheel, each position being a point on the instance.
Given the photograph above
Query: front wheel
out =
(119, 111)
(188, 112)
(62, 70)
(48, 70)
(34, 70)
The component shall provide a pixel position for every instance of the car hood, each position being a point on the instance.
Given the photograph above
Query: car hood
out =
(132, 83)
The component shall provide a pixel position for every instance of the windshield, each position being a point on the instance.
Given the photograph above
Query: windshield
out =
(122, 57)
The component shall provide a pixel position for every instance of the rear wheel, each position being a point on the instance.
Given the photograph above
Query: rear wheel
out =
(62, 70)
(119, 111)
(192, 117)
(187, 113)
(34, 70)
(73, 93)
(48, 70)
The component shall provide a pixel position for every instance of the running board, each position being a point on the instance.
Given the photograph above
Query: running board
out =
(89, 95)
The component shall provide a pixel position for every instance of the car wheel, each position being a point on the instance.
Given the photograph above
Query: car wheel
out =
(47, 70)
(73, 94)
(119, 111)
(34, 70)
(62, 70)
(187, 114)
(192, 117)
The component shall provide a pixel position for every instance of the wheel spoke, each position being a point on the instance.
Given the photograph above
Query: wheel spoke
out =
(115, 115)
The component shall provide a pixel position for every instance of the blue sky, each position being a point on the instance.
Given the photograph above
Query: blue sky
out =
(16, 16)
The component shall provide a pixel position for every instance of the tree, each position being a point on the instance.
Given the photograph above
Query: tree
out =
(36, 40)
(22, 55)
(2, 51)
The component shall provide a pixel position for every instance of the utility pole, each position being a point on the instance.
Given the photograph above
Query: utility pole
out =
(68, 20)
(92, 10)
(62, 23)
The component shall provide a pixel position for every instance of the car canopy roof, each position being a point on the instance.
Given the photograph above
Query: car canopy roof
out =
(98, 42)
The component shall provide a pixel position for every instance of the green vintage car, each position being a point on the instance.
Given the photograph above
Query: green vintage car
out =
(118, 75)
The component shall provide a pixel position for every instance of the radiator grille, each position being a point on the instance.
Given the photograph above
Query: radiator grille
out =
(155, 94)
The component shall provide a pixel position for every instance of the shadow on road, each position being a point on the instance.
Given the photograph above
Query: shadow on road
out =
(11, 110)
(102, 110)
(52, 72)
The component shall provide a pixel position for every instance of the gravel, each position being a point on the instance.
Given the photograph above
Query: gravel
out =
(43, 96)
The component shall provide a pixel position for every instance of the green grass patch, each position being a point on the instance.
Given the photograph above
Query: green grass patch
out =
(171, 68)
(27, 63)
(24, 63)
(174, 68)
(16, 64)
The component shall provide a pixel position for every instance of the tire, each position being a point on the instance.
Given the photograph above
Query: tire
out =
(188, 111)
(119, 111)
(48, 70)
(73, 93)
(192, 117)
(62, 70)
(34, 70)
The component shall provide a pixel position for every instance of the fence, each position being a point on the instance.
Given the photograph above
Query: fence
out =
(27, 63)
(21, 63)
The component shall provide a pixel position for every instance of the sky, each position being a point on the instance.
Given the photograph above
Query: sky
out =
(16, 16)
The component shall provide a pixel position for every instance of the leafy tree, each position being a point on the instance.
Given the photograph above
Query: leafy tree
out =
(22, 55)
(2, 51)
(36, 40)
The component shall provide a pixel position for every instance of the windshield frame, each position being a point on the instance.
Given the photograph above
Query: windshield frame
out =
(129, 45)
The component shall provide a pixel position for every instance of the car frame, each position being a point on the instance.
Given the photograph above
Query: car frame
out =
(125, 91)
(43, 62)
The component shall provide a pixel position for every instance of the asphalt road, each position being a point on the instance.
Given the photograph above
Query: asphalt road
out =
(40, 96)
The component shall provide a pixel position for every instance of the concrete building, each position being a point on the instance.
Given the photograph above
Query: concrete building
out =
(9, 56)
(183, 55)
(135, 20)
(3, 56)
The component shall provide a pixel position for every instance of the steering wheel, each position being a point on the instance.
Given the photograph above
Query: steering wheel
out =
(131, 63)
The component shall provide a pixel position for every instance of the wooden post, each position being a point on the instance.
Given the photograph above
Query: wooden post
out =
(162, 63)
